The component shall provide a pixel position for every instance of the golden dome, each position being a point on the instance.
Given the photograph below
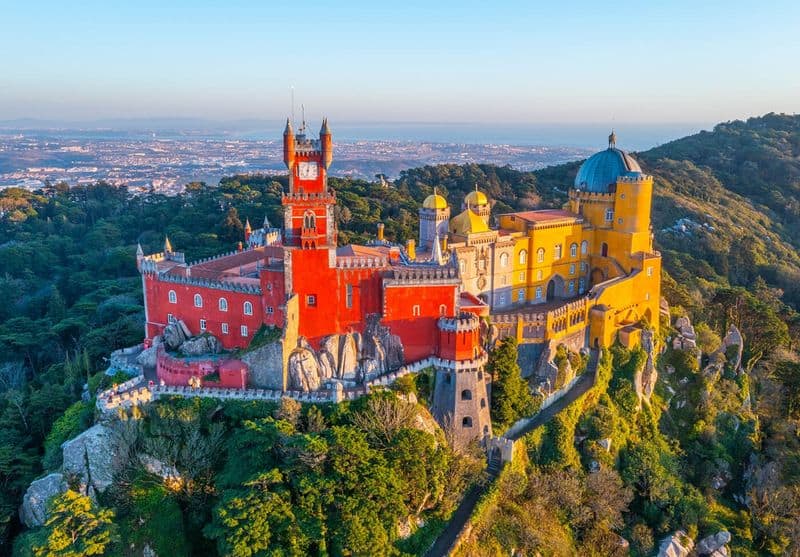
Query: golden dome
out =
(435, 201)
(476, 199)
(467, 222)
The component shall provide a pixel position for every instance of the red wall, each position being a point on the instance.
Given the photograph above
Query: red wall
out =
(174, 371)
(158, 308)
(273, 288)
(459, 345)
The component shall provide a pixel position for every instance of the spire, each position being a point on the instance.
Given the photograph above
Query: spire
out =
(139, 250)
(167, 245)
(324, 130)
(247, 226)
(267, 225)
(436, 250)
(612, 140)
(288, 129)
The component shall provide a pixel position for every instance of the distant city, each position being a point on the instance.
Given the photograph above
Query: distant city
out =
(165, 158)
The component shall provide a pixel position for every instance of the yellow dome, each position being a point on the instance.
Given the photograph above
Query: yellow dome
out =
(467, 222)
(435, 201)
(475, 199)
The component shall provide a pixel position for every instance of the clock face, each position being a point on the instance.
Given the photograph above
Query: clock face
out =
(307, 170)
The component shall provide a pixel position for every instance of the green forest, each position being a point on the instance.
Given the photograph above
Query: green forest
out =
(711, 451)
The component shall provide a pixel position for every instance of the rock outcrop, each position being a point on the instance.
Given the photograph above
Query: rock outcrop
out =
(686, 338)
(93, 458)
(644, 380)
(175, 334)
(733, 339)
(714, 546)
(203, 344)
(147, 357)
(266, 366)
(158, 468)
(304, 370)
(678, 544)
(33, 512)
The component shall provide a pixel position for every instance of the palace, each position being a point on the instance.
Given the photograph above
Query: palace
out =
(344, 315)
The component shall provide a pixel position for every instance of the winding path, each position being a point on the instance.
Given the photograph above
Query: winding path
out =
(446, 541)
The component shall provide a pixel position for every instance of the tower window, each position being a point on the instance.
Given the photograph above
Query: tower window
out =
(521, 295)
(557, 251)
(540, 255)
(609, 215)
(572, 287)
(202, 324)
(483, 403)
(650, 271)
(538, 292)
(442, 310)
(584, 247)
(224, 328)
(223, 304)
(523, 257)
(248, 308)
(173, 298)
(270, 310)
(243, 330)
(415, 310)
(573, 250)
(572, 268)
(348, 296)
(311, 300)
(504, 260)
(198, 301)
(581, 285)
(522, 276)
(539, 274)
(170, 318)
(309, 220)
(466, 422)
(466, 394)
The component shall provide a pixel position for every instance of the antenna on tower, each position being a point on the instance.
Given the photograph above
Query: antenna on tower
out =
(303, 112)
(294, 123)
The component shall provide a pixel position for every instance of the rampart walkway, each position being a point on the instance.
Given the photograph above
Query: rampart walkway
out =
(448, 540)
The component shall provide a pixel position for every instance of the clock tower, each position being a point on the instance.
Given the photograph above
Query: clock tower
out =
(308, 205)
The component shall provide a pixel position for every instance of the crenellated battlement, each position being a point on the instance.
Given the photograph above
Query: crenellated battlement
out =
(324, 197)
(462, 323)
(218, 285)
(360, 262)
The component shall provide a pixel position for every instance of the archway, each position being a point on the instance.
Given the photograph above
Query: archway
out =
(555, 288)
(598, 276)
(604, 249)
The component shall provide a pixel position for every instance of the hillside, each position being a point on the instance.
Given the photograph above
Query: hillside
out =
(72, 294)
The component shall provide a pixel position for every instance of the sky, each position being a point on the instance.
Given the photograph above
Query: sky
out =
(403, 61)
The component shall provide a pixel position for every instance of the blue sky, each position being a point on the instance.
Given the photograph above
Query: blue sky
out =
(431, 61)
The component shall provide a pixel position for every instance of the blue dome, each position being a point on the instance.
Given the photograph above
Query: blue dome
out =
(599, 172)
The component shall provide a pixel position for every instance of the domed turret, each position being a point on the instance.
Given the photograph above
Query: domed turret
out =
(476, 198)
(435, 201)
(600, 171)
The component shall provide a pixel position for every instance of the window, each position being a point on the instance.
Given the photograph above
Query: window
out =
(539, 274)
(462, 266)
(442, 309)
(311, 300)
(649, 271)
(243, 330)
(573, 250)
(572, 268)
(583, 267)
(173, 298)
(584, 247)
(270, 310)
(521, 295)
(269, 287)
(202, 324)
(522, 276)
(480, 376)
(581, 285)
(557, 252)
(348, 296)
(483, 403)
(198, 301)
(415, 311)
(540, 255)
(538, 292)
(224, 328)
(170, 318)
(309, 220)
(504, 260)
(523, 257)
(501, 299)
(609, 215)
(466, 422)
(248, 308)
(572, 287)
(466, 394)
(223, 304)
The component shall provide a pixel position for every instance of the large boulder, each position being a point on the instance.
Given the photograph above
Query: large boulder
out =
(33, 512)
(733, 339)
(678, 544)
(714, 545)
(174, 335)
(199, 346)
(645, 379)
(159, 468)
(266, 366)
(147, 357)
(94, 457)
(304, 370)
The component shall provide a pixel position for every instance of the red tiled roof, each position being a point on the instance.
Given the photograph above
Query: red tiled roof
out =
(546, 215)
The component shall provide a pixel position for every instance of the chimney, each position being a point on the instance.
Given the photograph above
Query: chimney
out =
(411, 249)
(380, 232)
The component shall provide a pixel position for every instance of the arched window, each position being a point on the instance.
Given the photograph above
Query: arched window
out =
(415, 311)
(442, 309)
(309, 220)
(538, 292)
(573, 250)
(486, 430)
(462, 266)
(223, 304)
(483, 403)
(466, 394)
(466, 422)
(198, 301)
(248, 308)
(584, 247)
(540, 255)
(173, 298)
(557, 252)
(504, 260)
(523, 257)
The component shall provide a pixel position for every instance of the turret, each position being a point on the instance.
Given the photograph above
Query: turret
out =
(326, 143)
(247, 230)
(288, 145)
(167, 246)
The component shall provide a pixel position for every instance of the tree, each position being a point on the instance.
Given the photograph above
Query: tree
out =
(77, 528)
(511, 398)
(232, 227)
